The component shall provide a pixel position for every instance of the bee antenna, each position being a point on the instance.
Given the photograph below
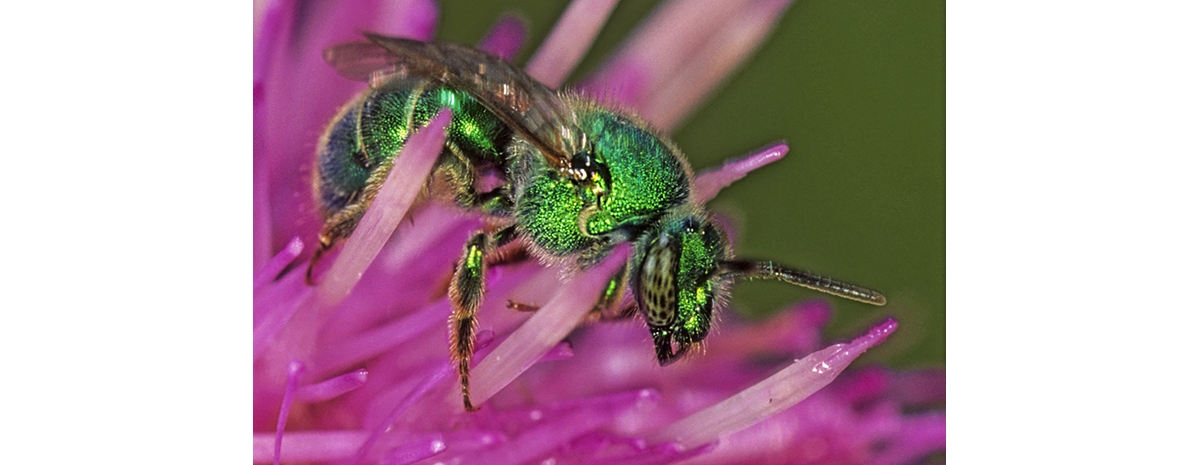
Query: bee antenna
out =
(739, 269)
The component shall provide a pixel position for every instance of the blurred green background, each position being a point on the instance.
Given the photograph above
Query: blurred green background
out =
(857, 89)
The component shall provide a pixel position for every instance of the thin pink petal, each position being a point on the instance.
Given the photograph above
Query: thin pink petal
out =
(407, 178)
(712, 181)
(279, 262)
(505, 38)
(270, 31)
(415, 19)
(569, 41)
(333, 387)
(301, 93)
(371, 343)
(400, 408)
(271, 27)
(309, 446)
(725, 50)
(659, 47)
(294, 370)
(558, 428)
(415, 452)
(546, 328)
(275, 305)
(773, 395)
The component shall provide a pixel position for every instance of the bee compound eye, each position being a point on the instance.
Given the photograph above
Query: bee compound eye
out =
(657, 287)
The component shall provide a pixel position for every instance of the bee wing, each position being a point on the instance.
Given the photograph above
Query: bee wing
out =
(361, 61)
(531, 109)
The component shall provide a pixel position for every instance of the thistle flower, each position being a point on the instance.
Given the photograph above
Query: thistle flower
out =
(356, 369)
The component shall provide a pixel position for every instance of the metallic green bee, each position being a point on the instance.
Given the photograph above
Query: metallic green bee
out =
(578, 180)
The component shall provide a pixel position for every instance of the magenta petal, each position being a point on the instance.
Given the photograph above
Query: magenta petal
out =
(545, 329)
(333, 387)
(279, 262)
(622, 84)
(712, 181)
(569, 41)
(505, 38)
(386, 311)
(274, 307)
(269, 30)
(407, 178)
(662, 44)
(408, 401)
(365, 345)
(773, 395)
(293, 379)
(416, 19)
(300, 93)
(417, 451)
(724, 50)
(309, 446)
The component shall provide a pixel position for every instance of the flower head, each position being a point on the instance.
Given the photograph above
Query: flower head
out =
(356, 368)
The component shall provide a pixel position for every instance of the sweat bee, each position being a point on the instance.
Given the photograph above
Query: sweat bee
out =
(578, 179)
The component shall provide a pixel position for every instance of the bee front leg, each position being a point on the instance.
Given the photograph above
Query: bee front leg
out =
(466, 292)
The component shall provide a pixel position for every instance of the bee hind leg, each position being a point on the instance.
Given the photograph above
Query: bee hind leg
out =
(466, 291)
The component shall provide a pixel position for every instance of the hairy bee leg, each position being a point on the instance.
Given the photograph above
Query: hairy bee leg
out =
(611, 296)
(459, 172)
(466, 292)
(336, 228)
(339, 225)
(323, 244)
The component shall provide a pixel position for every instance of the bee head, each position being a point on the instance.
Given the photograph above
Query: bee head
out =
(676, 282)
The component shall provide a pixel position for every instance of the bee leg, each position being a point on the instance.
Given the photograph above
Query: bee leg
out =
(507, 250)
(662, 347)
(610, 297)
(459, 172)
(339, 225)
(324, 243)
(466, 292)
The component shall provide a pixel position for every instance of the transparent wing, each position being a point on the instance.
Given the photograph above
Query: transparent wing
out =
(361, 61)
(531, 109)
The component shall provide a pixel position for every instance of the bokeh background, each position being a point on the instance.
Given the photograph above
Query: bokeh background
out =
(857, 89)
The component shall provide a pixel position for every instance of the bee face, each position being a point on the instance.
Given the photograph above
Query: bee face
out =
(677, 281)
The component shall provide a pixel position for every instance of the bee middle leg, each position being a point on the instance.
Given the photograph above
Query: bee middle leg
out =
(466, 292)
(336, 227)
(339, 225)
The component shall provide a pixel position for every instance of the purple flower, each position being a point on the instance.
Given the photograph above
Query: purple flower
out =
(356, 369)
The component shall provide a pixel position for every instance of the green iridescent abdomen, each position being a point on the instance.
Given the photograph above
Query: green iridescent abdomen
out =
(644, 177)
(373, 127)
